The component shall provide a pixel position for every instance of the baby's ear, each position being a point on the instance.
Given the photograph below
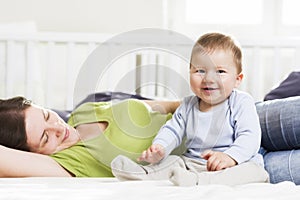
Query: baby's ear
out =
(239, 79)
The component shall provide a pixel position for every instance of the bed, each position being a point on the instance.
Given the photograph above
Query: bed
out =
(110, 188)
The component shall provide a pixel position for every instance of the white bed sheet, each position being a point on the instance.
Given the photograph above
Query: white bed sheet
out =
(111, 188)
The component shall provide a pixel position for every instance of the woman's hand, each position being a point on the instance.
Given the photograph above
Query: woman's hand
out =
(218, 160)
(164, 107)
(153, 154)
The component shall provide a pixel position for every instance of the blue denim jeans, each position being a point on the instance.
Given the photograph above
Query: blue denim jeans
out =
(280, 125)
(283, 166)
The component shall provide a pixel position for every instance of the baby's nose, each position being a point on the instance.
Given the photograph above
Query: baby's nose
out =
(210, 76)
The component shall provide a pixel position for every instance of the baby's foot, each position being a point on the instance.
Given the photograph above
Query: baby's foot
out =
(182, 177)
(124, 168)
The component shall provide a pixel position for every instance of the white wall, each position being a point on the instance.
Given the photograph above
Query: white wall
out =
(102, 16)
(117, 16)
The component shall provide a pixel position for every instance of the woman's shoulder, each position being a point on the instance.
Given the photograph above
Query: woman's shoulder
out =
(92, 105)
(107, 106)
(133, 107)
(88, 112)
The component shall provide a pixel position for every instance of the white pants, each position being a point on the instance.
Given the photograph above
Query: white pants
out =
(182, 170)
(248, 172)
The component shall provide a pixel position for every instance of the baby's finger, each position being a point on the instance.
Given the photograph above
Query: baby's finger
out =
(154, 148)
(142, 156)
(206, 154)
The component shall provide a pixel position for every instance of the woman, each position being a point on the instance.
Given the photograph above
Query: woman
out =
(281, 162)
(94, 135)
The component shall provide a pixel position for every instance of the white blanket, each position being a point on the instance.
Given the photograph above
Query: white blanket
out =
(112, 189)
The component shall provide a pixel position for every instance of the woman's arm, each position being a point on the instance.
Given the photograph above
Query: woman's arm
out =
(15, 163)
(163, 107)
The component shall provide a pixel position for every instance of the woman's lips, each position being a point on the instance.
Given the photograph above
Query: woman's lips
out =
(67, 133)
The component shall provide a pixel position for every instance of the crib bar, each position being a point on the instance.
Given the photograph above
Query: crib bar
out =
(2, 67)
(256, 75)
(91, 47)
(277, 67)
(138, 73)
(161, 76)
(49, 73)
(151, 76)
(42, 56)
(30, 69)
(297, 59)
(10, 68)
(70, 74)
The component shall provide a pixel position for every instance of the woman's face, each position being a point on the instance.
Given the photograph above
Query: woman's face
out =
(46, 132)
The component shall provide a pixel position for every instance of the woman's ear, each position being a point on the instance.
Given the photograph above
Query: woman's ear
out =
(239, 79)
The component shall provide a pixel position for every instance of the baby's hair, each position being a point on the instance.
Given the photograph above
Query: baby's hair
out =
(210, 42)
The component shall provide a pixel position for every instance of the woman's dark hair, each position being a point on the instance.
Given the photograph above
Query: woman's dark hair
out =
(12, 123)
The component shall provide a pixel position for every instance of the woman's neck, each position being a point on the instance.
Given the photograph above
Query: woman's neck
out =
(91, 130)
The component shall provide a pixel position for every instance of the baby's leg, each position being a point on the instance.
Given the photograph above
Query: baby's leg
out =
(183, 177)
(124, 168)
(240, 174)
(189, 176)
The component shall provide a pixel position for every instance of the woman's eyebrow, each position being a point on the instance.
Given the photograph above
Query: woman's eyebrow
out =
(45, 114)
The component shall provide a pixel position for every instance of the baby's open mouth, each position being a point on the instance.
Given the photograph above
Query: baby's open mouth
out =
(209, 88)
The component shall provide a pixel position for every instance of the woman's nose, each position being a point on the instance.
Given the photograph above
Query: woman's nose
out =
(56, 127)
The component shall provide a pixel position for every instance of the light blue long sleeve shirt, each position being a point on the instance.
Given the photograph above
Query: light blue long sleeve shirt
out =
(231, 127)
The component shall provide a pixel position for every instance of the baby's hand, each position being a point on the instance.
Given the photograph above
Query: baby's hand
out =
(217, 160)
(153, 154)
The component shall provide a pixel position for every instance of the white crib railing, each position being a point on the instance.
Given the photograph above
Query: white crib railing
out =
(267, 62)
(44, 67)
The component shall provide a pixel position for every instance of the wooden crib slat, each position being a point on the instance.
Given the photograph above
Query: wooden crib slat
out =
(277, 71)
(10, 67)
(31, 69)
(70, 74)
(256, 74)
(50, 57)
(38, 58)
(296, 66)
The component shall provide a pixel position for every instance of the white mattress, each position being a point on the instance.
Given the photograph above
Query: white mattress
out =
(103, 188)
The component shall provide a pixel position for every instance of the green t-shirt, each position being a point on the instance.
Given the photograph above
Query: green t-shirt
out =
(132, 125)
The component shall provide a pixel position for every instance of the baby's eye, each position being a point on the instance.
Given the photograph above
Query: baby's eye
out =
(200, 71)
(221, 71)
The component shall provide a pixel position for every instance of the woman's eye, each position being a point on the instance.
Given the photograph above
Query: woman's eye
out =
(46, 138)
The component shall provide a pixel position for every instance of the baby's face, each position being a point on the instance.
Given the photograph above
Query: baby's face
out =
(213, 76)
